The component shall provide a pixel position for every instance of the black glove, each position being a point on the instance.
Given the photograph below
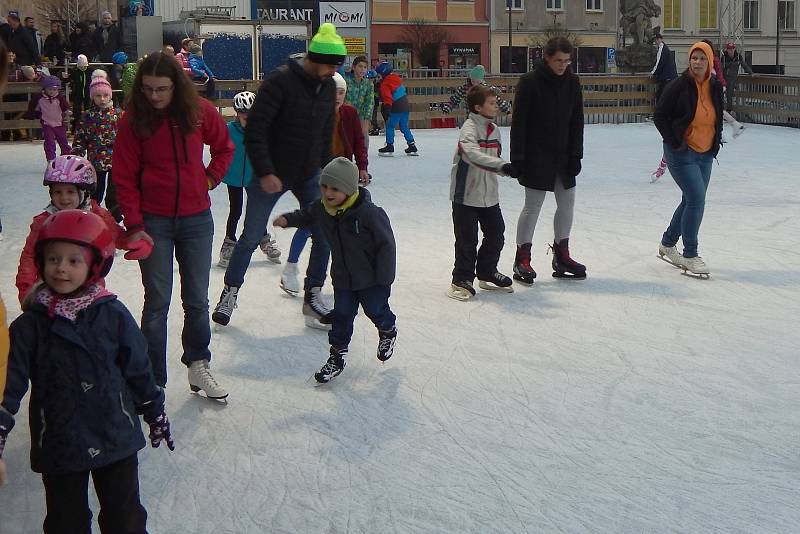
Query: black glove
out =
(517, 168)
(508, 170)
(574, 167)
(160, 430)
(3, 435)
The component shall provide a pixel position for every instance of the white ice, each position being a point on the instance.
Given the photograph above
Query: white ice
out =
(639, 400)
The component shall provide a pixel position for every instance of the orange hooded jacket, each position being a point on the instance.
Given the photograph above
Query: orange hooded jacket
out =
(702, 130)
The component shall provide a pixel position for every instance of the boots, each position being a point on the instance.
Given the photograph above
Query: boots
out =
(333, 367)
(523, 272)
(563, 265)
(388, 150)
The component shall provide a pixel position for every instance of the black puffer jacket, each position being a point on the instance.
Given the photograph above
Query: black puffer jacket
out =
(677, 105)
(547, 128)
(88, 379)
(290, 124)
(363, 250)
(22, 43)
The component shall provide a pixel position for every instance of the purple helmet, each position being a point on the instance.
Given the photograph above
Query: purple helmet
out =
(50, 81)
(73, 170)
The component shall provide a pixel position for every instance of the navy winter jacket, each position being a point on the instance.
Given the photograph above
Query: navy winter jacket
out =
(363, 250)
(88, 379)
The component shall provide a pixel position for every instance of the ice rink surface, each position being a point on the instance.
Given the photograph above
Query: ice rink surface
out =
(639, 400)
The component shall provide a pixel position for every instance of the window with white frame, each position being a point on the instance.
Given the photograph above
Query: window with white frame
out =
(672, 14)
(708, 14)
(554, 5)
(750, 19)
(516, 5)
(594, 5)
(786, 14)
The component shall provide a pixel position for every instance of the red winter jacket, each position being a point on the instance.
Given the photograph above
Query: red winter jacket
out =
(352, 136)
(164, 174)
(27, 275)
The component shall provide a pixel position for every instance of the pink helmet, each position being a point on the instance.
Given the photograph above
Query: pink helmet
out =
(73, 170)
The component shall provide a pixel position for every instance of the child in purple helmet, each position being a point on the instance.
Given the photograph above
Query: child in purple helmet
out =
(52, 108)
(71, 180)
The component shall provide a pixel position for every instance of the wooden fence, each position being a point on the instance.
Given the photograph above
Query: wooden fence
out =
(615, 99)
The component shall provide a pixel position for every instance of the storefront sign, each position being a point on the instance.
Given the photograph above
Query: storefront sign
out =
(465, 50)
(344, 14)
(283, 10)
(355, 45)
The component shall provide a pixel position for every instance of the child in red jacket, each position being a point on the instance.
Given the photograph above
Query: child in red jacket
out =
(71, 180)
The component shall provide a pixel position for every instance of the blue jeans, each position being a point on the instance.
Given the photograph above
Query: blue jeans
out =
(692, 172)
(299, 239)
(402, 120)
(374, 300)
(189, 239)
(256, 219)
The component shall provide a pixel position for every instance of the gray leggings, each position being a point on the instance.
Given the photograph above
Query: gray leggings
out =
(562, 221)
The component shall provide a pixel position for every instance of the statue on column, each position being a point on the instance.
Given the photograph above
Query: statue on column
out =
(636, 21)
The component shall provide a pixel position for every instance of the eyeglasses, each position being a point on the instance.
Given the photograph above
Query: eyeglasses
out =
(164, 89)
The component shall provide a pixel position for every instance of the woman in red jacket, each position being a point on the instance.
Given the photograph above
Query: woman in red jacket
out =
(348, 142)
(162, 190)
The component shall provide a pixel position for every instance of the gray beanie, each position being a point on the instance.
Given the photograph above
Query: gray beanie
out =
(342, 174)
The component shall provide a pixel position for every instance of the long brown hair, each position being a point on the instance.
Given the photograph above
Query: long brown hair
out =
(3, 67)
(184, 108)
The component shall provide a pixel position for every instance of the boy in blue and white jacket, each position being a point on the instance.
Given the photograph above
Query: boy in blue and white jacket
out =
(475, 198)
(86, 361)
(239, 176)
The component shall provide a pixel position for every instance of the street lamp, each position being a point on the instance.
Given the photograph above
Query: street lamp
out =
(510, 61)
(779, 19)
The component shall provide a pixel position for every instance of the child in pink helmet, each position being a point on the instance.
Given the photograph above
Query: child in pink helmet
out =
(71, 180)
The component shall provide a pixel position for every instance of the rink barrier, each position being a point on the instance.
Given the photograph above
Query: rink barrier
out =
(607, 99)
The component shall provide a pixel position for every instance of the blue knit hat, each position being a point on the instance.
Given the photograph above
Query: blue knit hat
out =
(383, 68)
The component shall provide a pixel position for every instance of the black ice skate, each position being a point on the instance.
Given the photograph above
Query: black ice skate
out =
(388, 150)
(412, 150)
(523, 272)
(496, 282)
(317, 314)
(563, 265)
(461, 290)
(386, 341)
(333, 367)
(227, 303)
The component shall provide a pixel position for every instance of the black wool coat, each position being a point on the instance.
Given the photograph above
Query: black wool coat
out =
(547, 128)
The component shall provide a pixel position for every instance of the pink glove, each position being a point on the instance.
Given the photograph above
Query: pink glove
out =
(139, 250)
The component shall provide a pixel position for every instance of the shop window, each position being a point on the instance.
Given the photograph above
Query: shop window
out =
(518, 57)
(516, 5)
(589, 59)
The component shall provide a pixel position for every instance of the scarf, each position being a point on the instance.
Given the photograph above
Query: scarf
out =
(69, 307)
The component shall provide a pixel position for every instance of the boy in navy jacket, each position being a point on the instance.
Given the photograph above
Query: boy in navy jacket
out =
(86, 361)
(363, 259)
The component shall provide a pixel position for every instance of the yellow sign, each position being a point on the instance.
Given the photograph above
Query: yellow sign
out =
(356, 45)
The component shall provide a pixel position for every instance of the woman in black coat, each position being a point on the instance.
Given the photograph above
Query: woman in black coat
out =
(80, 42)
(546, 152)
(54, 44)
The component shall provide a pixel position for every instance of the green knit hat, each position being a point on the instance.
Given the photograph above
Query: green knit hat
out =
(326, 47)
(478, 73)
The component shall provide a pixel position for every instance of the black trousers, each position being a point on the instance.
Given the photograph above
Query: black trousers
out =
(236, 201)
(105, 188)
(470, 260)
(117, 488)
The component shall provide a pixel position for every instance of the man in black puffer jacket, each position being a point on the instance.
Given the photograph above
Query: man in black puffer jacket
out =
(288, 140)
(546, 153)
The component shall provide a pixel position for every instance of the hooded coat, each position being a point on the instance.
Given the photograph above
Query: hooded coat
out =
(547, 128)
(676, 109)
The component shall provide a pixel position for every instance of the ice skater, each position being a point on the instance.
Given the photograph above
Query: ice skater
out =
(363, 264)
(86, 389)
(689, 118)
(546, 153)
(52, 109)
(475, 199)
(394, 96)
(664, 72)
(237, 179)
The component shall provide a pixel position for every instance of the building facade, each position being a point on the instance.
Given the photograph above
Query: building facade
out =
(751, 24)
(464, 22)
(591, 23)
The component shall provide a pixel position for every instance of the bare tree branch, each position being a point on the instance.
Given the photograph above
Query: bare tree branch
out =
(425, 39)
